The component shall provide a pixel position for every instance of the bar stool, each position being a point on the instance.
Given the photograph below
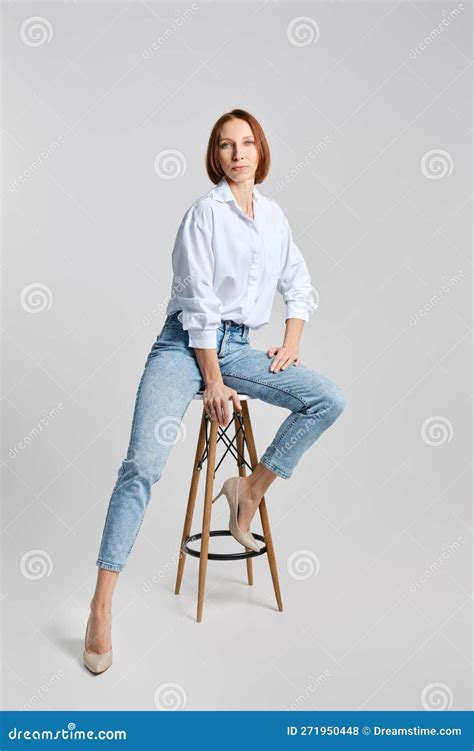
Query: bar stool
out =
(206, 451)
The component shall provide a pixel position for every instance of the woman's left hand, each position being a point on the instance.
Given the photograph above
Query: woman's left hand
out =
(283, 357)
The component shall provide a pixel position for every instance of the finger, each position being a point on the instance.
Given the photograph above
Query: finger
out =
(218, 411)
(276, 362)
(281, 364)
(210, 412)
(225, 412)
(219, 407)
(236, 401)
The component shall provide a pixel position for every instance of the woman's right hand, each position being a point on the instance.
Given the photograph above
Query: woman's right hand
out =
(216, 401)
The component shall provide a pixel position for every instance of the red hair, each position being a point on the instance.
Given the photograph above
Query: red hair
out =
(213, 167)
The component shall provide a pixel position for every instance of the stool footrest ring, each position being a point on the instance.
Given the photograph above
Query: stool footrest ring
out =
(222, 556)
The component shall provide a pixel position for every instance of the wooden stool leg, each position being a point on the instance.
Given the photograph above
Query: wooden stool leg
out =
(191, 502)
(242, 473)
(262, 507)
(206, 519)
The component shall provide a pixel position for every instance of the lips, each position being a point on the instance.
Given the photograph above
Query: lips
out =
(243, 166)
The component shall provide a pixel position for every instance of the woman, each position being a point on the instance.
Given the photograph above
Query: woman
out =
(233, 249)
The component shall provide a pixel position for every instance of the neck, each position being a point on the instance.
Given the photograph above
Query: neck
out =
(243, 194)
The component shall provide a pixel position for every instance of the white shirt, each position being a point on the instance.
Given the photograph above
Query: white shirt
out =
(228, 266)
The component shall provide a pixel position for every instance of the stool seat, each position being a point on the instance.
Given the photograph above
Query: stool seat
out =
(200, 395)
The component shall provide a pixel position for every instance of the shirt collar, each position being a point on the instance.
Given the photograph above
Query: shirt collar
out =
(223, 193)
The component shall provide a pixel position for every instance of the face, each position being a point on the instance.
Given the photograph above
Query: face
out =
(237, 147)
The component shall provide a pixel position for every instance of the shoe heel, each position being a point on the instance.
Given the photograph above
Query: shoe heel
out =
(218, 495)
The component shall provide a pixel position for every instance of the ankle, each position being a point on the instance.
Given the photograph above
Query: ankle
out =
(100, 608)
(250, 492)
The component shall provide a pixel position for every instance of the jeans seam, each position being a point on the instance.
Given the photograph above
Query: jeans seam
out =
(109, 566)
(271, 386)
(135, 409)
(136, 535)
(119, 475)
(288, 427)
(145, 509)
(275, 469)
(121, 468)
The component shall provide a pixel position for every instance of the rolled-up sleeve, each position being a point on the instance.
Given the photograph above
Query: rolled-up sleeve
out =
(193, 265)
(294, 282)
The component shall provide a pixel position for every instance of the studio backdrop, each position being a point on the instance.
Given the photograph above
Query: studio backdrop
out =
(107, 111)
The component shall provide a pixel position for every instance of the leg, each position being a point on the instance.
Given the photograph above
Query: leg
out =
(100, 612)
(169, 381)
(251, 490)
(314, 402)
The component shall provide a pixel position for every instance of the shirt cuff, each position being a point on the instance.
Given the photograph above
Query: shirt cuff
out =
(203, 339)
(296, 311)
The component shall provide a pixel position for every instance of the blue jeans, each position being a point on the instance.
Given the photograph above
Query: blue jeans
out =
(170, 380)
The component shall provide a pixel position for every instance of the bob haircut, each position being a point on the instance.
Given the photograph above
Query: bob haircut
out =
(213, 167)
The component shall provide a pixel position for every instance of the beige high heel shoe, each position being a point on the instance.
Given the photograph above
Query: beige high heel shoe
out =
(95, 661)
(230, 489)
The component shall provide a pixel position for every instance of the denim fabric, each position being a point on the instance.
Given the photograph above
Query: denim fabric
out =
(170, 379)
